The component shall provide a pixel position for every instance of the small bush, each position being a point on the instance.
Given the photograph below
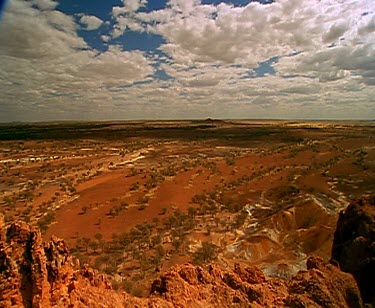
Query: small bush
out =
(205, 254)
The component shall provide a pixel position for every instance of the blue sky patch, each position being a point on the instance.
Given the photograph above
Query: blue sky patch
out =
(143, 41)
(98, 8)
(263, 69)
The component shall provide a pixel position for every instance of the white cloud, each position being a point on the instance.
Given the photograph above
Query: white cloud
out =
(45, 4)
(116, 67)
(184, 6)
(129, 6)
(134, 5)
(326, 48)
(202, 82)
(60, 21)
(91, 22)
(105, 38)
(352, 61)
(125, 17)
(335, 32)
(27, 33)
(124, 23)
(48, 72)
(204, 75)
(225, 34)
(367, 28)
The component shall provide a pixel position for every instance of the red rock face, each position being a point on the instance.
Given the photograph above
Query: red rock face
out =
(323, 285)
(34, 274)
(354, 245)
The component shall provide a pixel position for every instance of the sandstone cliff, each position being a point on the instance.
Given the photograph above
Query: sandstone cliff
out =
(36, 274)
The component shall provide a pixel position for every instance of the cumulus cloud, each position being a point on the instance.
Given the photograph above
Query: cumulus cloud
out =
(325, 67)
(226, 34)
(125, 17)
(45, 4)
(47, 71)
(91, 22)
(202, 82)
(334, 33)
(125, 23)
(129, 6)
(28, 33)
(206, 33)
(116, 67)
(339, 62)
(368, 28)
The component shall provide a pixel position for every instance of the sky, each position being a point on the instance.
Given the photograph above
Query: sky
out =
(93, 60)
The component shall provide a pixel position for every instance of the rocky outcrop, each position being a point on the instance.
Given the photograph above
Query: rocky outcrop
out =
(34, 274)
(354, 245)
(322, 285)
(22, 267)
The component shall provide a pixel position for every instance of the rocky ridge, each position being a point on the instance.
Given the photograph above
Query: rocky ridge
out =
(37, 274)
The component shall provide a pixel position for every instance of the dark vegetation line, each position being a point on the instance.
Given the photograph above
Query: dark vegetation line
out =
(116, 131)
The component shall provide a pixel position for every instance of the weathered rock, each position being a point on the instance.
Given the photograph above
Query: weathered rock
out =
(323, 285)
(37, 275)
(34, 274)
(354, 245)
(23, 266)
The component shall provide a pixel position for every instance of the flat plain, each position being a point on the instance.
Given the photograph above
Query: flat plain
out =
(135, 198)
